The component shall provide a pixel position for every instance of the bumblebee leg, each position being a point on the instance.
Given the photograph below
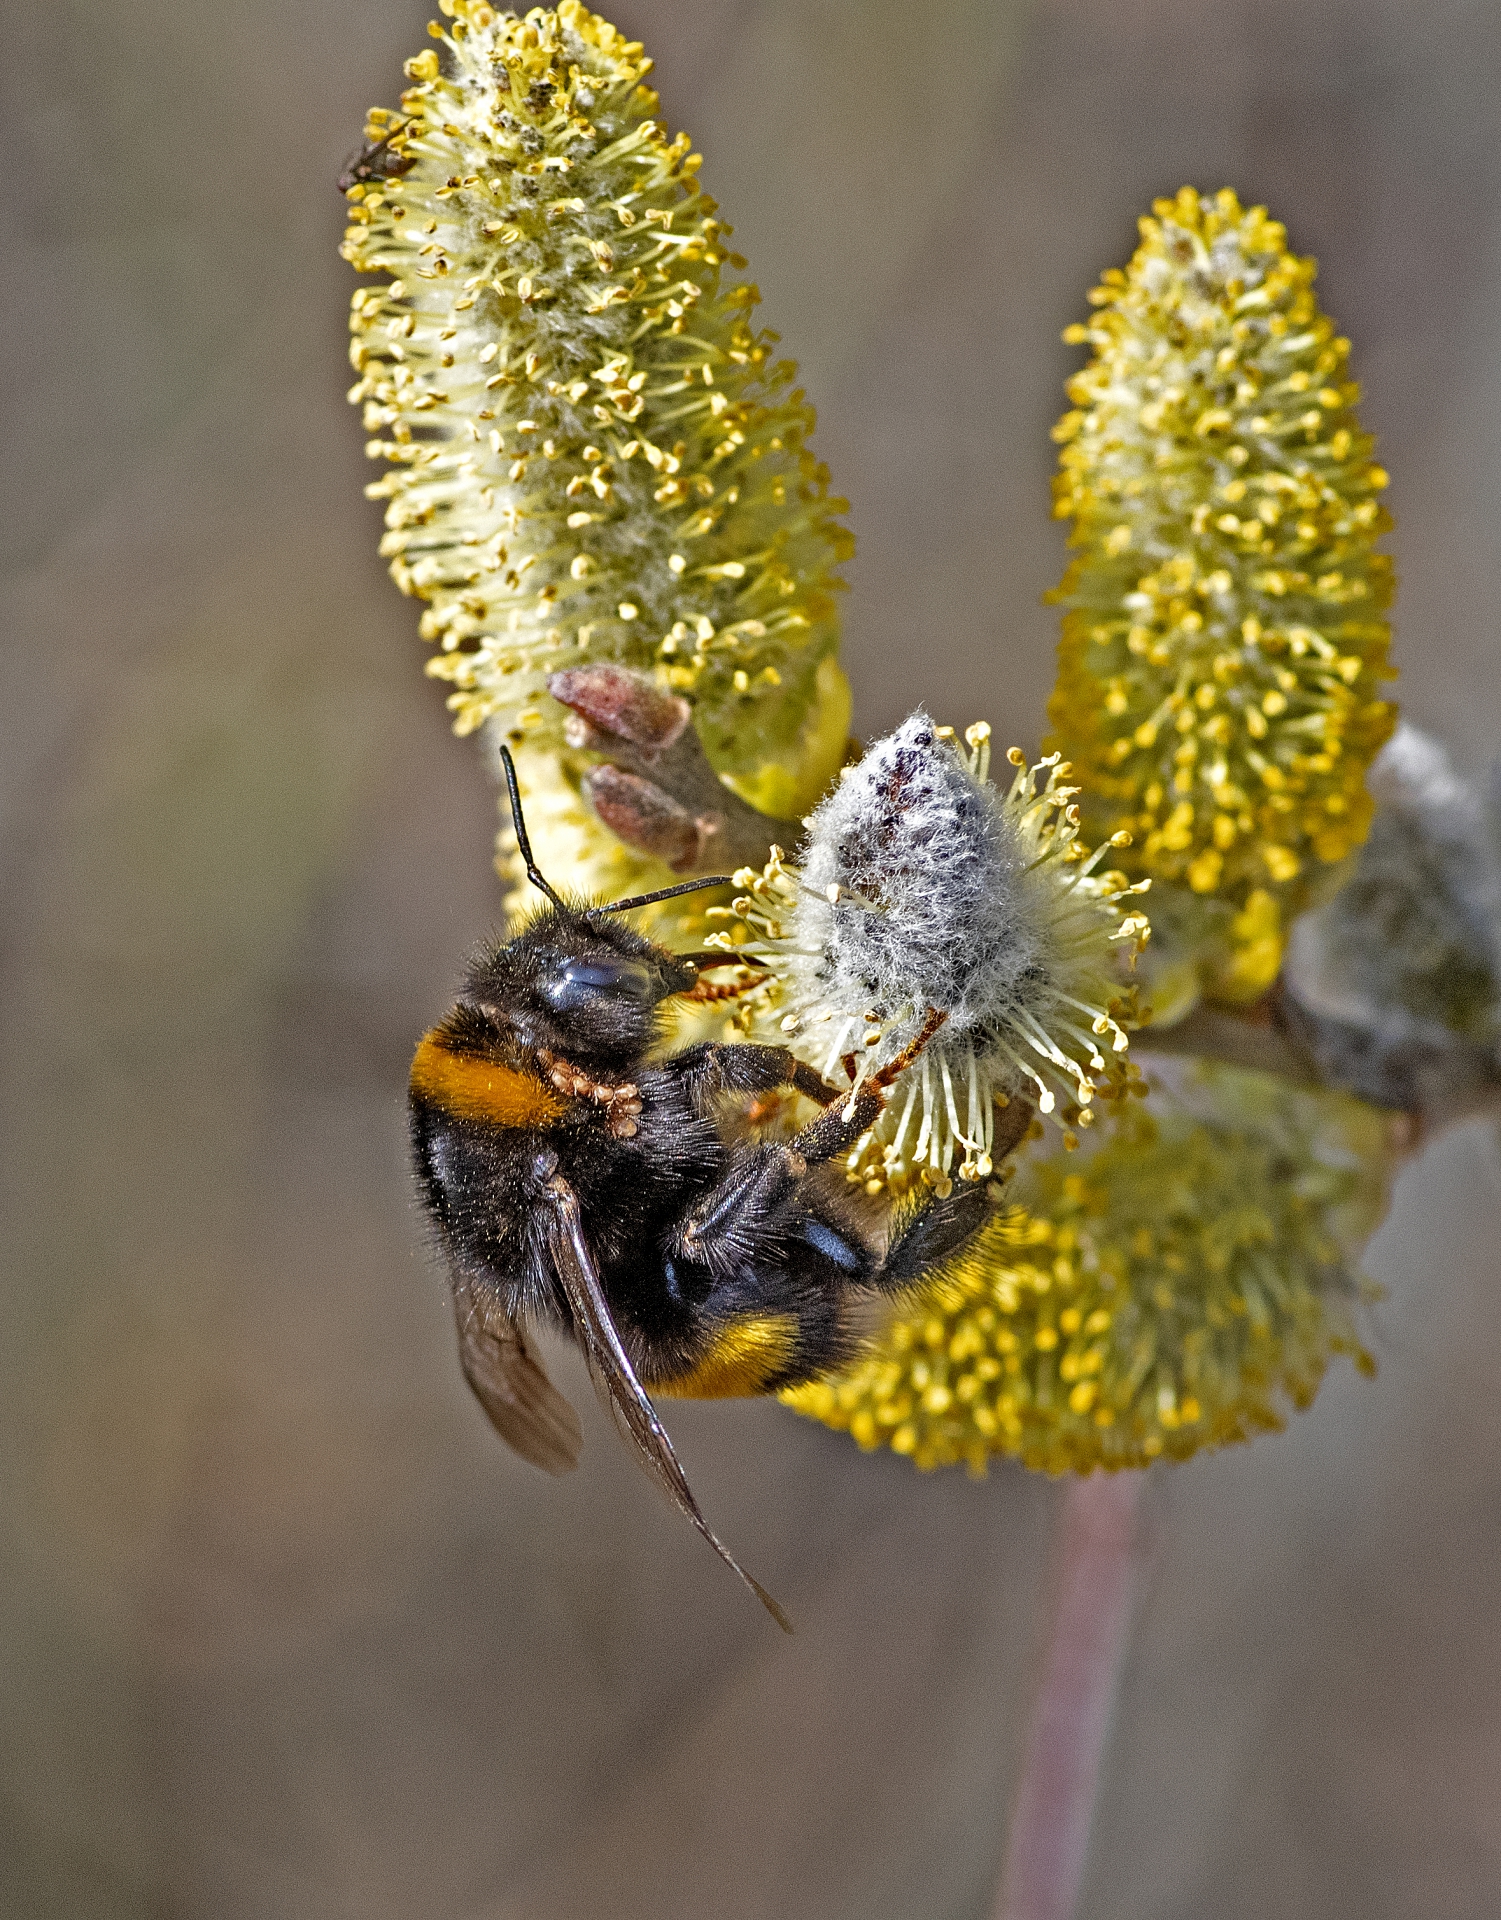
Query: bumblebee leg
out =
(839, 1126)
(610, 1366)
(923, 1240)
(762, 1178)
(710, 1069)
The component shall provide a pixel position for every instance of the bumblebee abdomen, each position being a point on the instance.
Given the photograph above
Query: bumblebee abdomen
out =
(745, 1356)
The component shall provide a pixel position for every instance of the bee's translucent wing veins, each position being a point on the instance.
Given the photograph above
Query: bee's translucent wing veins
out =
(611, 1366)
(525, 1408)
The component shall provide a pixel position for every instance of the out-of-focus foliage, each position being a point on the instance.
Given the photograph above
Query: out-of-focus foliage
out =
(1398, 978)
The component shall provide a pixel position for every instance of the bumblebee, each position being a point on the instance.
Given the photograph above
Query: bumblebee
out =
(577, 1177)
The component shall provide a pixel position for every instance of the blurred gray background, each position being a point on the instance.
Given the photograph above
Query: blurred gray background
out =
(286, 1633)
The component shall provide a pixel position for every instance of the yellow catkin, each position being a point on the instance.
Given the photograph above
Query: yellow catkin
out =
(1181, 1288)
(1224, 635)
(594, 455)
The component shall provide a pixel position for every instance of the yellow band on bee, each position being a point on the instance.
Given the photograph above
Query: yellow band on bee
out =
(471, 1088)
(741, 1358)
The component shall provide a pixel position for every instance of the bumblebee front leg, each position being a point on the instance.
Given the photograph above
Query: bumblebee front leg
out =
(837, 1128)
(709, 1069)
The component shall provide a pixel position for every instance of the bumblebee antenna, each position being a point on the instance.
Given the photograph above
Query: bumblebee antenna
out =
(533, 871)
(667, 893)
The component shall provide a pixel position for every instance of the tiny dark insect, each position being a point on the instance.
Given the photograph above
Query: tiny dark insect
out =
(375, 160)
(578, 1177)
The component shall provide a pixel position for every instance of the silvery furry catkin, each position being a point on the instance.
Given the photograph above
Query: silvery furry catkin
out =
(912, 832)
(924, 891)
(1398, 977)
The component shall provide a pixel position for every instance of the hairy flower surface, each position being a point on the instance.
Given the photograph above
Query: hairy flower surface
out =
(925, 891)
(1401, 970)
(1224, 635)
(1414, 935)
(593, 454)
(1178, 1288)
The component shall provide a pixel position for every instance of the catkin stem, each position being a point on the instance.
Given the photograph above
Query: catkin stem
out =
(1049, 1837)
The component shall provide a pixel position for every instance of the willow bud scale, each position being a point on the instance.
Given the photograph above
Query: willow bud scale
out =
(1225, 636)
(593, 452)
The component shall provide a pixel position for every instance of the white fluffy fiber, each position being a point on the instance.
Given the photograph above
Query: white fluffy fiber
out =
(921, 887)
(1411, 945)
(912, 832)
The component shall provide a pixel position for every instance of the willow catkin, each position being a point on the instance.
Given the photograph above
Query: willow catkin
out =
(1225, 633)
(594, 454)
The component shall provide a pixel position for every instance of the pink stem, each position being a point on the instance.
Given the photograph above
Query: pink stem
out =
(1049, 1838)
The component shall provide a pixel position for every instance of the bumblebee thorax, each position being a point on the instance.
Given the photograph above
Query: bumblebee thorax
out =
(620, 1100)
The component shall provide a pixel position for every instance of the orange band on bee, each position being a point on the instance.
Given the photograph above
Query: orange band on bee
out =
(742, 1359)
(472, 1088)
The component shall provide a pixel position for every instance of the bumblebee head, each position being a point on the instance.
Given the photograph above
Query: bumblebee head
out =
(577, 980)
(580, 983)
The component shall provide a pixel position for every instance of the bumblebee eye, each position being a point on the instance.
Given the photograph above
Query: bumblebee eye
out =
(578, 982)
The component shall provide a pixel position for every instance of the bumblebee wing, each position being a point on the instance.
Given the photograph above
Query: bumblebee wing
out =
(611, 1367)
(524, 1406)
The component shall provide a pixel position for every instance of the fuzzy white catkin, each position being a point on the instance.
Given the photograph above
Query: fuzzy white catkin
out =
(923, 889)
(910, 830)
(1412, 943)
